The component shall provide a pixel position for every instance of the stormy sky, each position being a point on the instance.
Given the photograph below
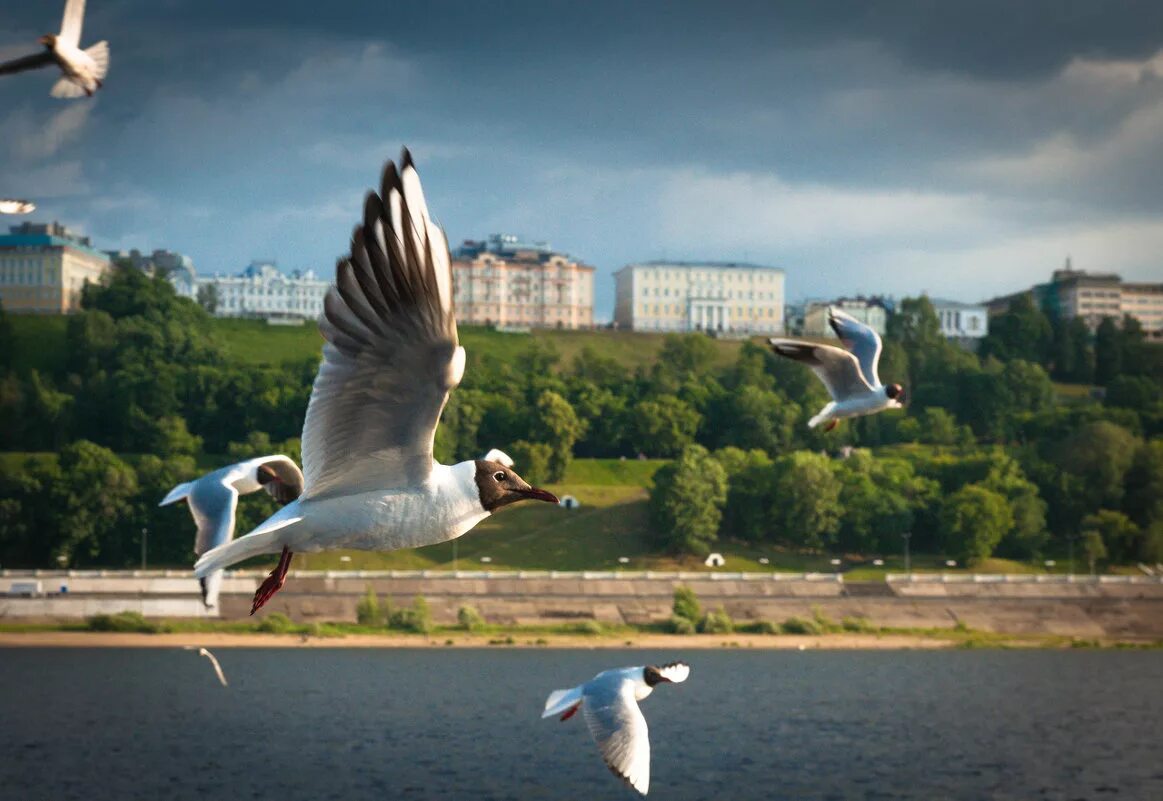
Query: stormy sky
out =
(963, 148)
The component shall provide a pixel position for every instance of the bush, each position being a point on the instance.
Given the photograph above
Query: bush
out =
(368, 611)
(469, 618)
(680, 625)
(716, 622)
(823, 622)
(417, 618)
(588, 627)
(686, 604)
(123, 621)
(858, 624)
(764, 627)
(275, 623)
(799, 625)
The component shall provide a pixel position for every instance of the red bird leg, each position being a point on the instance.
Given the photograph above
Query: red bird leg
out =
(569, 713)
(831, 425)
(274, 582)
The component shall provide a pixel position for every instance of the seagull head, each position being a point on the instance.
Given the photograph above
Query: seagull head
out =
(895, 392)
(499, 486)
(49, 40)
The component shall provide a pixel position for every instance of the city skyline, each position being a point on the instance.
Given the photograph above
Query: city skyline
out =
(888, 148)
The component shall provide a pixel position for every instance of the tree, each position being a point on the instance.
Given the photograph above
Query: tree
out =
(663, 426)
(1099, 455)
(1093, 547)
(754, 418)
(559, 427)
(7, 341)
(806, 499)
(208, 297)
(1143, 501)
(1071, 356)
(687, 500)
(1108, 351)
(531, 460)
(973, 521)
(1022, 332)
(749, 479)
(879, 498)
(91, 498)
(1119, 534)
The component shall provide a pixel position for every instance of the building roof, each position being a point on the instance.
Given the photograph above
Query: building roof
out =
(48, 241)
(955, 304)
(702, 265)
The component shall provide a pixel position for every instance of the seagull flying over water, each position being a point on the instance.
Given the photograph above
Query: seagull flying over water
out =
(82, 71)
(213, 663)
(213, 499)
(849, 375)
(609, 702)
(390, 358)
(12, 206)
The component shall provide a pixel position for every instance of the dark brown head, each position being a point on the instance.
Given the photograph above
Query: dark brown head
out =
(499, 486)
(670, 673)
(279, 490)
(49, 40)
(895, 392)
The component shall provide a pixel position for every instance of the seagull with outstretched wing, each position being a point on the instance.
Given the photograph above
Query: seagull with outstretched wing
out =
(609, 703)
(213, 500)
(82, 71)
(391, 356)
(850, 376)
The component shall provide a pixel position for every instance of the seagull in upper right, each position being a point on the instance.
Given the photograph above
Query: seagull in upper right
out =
(849, 375)
(82, 71)
(391, 356)
(213, 499)
(609, 702)
(13, 206)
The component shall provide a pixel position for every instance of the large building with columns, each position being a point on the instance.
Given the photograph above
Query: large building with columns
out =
(699, 296)
(508, 283)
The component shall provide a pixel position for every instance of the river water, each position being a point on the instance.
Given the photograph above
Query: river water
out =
(113, 724)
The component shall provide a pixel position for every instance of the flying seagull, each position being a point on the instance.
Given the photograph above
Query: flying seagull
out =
(82, 71)
(390, 358)
(13, 206)
(213, 498)
(850, 375)
(213, 662)
(609, 702)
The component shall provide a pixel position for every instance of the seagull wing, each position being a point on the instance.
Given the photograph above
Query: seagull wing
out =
(27, 63)
(71, 24)
(391, 355)
(212, 505)
(860, 339)
(617, 726)
(217, 667)
(837, 368)
(288, 483)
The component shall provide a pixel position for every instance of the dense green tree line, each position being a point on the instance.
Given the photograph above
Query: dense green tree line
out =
(148, 397)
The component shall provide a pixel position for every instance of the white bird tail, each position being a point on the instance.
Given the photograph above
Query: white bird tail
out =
(560, 701)
(100, 55)
(67, 88)
(177, 493)
(824, 415)
(267, 538)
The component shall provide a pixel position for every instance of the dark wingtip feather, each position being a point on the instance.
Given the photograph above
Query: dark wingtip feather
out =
(391, 180)
(406, 159)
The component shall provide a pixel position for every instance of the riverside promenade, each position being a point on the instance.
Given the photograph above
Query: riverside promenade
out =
(1079, 606)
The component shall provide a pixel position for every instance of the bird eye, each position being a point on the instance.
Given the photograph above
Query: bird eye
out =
(499, 476)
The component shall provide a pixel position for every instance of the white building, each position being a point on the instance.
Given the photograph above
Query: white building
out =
(44, 268)
(966, 322)
(513, 284)
(699, 296)
(260, 290)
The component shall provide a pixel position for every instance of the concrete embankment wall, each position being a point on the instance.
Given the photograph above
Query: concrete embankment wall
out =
(1084, 607)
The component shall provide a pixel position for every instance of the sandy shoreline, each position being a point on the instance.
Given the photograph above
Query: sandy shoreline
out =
(85, 639)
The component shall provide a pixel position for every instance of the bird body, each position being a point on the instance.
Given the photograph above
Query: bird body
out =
(609, 703)
(213, 500)
(850, 376)
(82, 70)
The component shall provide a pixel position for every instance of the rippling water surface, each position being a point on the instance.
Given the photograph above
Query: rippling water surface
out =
(111, 724)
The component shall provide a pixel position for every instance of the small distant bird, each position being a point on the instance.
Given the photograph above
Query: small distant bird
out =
(390, 357)
(213, 661)
(609, 702)
(213, 499)
(8, 206)
(83, 71)
(850, 375)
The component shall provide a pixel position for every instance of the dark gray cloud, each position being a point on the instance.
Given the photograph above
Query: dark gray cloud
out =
(862, 146)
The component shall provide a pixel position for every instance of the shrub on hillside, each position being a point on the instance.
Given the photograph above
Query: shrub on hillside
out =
(417, 618)
(123, 621)
(368, 611)
(799, 625)
(680, 625)
(716, 622)
(469, 618)
(275, 623)
(686, 604)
